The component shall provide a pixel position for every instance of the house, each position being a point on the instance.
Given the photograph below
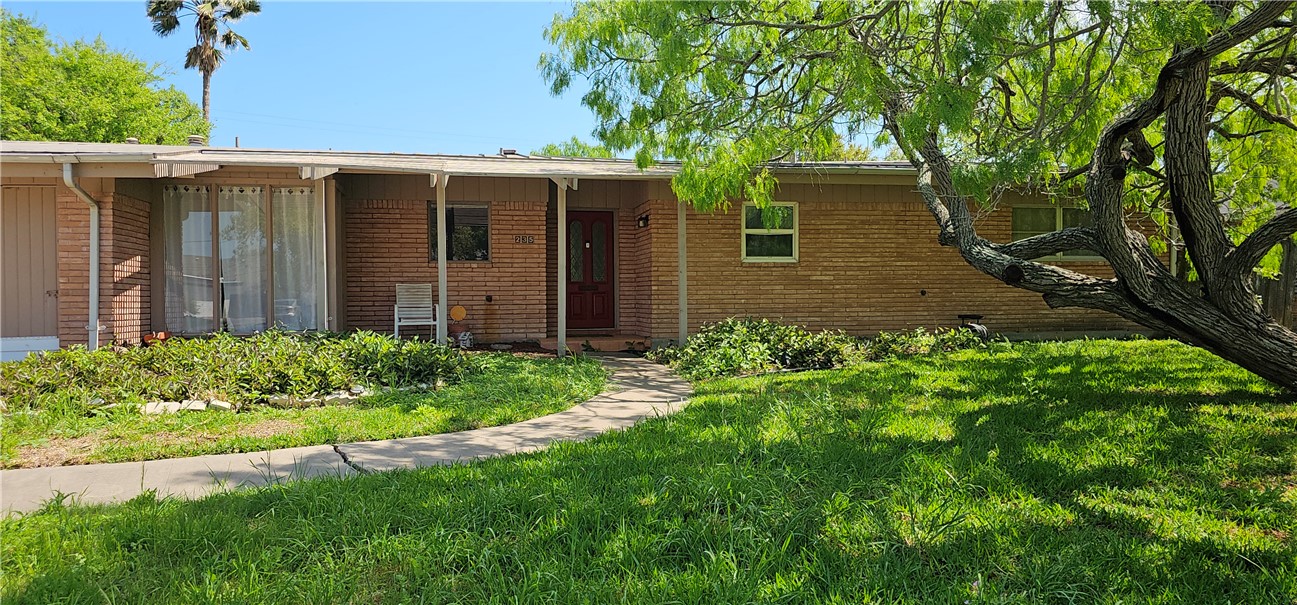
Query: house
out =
(133, 239)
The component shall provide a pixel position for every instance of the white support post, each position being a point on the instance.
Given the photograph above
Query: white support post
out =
(439, 180)
(683, 277)
(561, 274)
(322, 309)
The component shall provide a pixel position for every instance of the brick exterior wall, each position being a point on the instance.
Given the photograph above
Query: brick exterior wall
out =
(387, 243)
(74, 259)
(127, 294)
(124, 283)
(868, 261)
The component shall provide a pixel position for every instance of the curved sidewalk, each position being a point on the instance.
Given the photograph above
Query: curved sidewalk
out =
(637, 388)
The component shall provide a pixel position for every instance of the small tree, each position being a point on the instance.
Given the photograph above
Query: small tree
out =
(1179, 111)
(212, 32)
(574, 148)
(83, 91)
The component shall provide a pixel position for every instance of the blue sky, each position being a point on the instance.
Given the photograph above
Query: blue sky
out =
(414, 77)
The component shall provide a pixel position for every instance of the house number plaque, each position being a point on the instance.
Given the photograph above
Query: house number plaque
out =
(524, 239)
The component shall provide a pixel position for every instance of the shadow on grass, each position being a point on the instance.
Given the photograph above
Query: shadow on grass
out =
(1033, 473)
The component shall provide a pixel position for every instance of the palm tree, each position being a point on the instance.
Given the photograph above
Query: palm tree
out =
(212, 32)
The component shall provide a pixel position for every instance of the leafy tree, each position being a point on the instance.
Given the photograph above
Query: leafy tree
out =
(212, 32)
(839, 150)
(574, 148)
(84, 91)
(1181, 111)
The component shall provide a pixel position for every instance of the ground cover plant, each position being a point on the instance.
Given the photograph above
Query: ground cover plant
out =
(1090, 471)
(58, 404)
(236, 369)
(740, 346)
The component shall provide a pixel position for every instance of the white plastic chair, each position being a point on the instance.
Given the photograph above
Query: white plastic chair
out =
(414, 306)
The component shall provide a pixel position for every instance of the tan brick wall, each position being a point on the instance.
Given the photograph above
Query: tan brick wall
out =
(124, 283)
(387, 242)
(126, 297)
(74, 259)
(869, 261)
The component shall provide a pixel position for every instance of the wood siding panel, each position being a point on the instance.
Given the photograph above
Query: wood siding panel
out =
(29, 260)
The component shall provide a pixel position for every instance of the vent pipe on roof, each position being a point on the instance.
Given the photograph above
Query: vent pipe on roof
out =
(132, 141)
(197, 140)
(508, 152)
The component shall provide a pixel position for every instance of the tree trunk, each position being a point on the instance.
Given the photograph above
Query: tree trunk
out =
(207, 97)
(1248, 338)
(1219, 311)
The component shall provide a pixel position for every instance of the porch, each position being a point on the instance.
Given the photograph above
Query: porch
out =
(198, 240)
(507, 258)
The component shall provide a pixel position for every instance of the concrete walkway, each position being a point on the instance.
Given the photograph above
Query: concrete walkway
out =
(637, 389)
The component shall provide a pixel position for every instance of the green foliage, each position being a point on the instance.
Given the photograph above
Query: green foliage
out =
(574, 148)
(500, 389)
(212, 30)
(226, 367)
(1077, 472)
(740, 346)
(891, 345)
(728, 86)
(85, 91)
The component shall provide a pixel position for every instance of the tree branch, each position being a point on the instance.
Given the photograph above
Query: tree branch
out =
(1260, 110)
(1045, 244)
(1242, 259)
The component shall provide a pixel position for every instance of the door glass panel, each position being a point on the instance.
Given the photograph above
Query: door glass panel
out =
(575, 251)
(187, 259)
(599, 251)
(242, 238)
(297, 224)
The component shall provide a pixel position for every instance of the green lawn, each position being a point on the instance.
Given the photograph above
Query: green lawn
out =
(1096, 471)
(508, 389)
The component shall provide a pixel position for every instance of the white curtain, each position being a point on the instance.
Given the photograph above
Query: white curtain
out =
(297, 223)
(187, 259)
(294, 252)
(243, 258)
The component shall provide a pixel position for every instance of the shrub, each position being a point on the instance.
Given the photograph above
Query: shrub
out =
(243, 370)
(888, 345)
(738, 346)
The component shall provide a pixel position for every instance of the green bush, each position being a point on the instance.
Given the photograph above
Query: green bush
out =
(890, 345)
(739, 346)
(241, 370)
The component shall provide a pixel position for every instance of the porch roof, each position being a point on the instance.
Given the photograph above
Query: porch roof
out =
(180, 160)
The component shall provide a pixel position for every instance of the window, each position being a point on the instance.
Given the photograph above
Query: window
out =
(241, 258)
(468, 232)
(770, 235)
(1029, 221)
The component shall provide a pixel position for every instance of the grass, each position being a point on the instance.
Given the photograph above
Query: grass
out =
(1104, 471)
(507, 389)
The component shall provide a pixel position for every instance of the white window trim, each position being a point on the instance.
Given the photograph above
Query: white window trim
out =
(1058, 226)
(490, 231)
(744, 231)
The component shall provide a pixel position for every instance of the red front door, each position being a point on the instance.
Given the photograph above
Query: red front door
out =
(589, 270)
